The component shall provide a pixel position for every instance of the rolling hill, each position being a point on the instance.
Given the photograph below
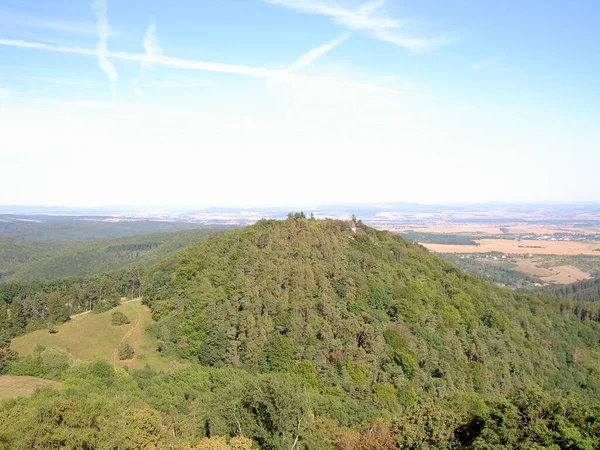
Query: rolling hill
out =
(23, 261)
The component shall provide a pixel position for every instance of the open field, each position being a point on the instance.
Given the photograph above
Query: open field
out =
(522, 247)
(18, 386)
(91, 335)
(558, 274)
(493, 230)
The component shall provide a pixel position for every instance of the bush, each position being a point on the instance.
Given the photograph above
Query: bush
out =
(118, 318)
(45, 362)
(125, 351)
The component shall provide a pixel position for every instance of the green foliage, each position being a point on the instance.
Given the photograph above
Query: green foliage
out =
(62, 228)
(278, 355)
(49, 363)
(437, 238)
(118, 318)
(213, 351)
(125, 351)
(346, 301)
(582, 291)
(7, 356)
(86, 258)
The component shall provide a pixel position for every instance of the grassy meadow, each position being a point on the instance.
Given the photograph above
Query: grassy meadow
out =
(89, 336)
(19, 386)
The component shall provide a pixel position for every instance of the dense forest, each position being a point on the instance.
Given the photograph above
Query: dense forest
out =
(440, 238)
(301, 334)
(82, 228)
(26, 260)
(583, 291)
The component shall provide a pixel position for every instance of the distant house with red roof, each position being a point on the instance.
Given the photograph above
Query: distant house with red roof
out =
(356, 229)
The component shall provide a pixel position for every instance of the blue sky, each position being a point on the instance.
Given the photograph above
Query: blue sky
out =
(259, 102)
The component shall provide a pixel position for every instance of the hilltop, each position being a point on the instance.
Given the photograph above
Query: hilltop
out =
(338, 299)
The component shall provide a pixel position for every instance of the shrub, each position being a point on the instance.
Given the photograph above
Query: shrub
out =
(118, 318)
(44, 362)
(125, 351)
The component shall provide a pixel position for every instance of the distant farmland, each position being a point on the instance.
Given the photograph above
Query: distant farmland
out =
(523, 247)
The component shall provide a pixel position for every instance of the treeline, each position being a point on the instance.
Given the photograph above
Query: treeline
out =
(439, 238)
(82, 228)
(29, 306)
(29, 261)
(581, 291)
(205, 408)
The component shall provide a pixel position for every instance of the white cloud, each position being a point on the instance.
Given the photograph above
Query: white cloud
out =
(207, 66)
(311, 56)
(483, 64)
(368, 19)
(4, 93)
(103, 30)
(152, 48)
(151, 41)
(11, 18)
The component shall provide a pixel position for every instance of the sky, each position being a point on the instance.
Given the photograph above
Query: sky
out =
(291, 102)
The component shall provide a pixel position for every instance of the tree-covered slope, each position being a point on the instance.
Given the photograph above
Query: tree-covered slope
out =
(56, 259)
(82, 228)
(15, 252)
(370, 309)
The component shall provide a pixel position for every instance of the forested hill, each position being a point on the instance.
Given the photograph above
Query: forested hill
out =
(378, 320)
(23, 260)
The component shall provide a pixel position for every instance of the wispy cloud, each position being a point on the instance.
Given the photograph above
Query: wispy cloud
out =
(103, 30)
(163, 60)
(311, 56)
(483, 64)
(367, 18)
(151, 41)
(206, 66)
(4, 93)
(151, 48)
(19, 19)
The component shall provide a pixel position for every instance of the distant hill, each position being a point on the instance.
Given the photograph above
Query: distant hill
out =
(22, 260)
(83, 228)
(15, 252)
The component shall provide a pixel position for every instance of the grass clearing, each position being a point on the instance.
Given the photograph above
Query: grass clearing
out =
(18, 386)
(89, 336)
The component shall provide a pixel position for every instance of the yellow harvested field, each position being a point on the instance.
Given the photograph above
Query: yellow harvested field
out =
(484, 229)
(452, 229)
(559, 274)
(89, 336)
(524, 247)
(19, 386)
(566, 274)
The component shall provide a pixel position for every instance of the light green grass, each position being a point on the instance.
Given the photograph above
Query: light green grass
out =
(89, 336)
(18, 386)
